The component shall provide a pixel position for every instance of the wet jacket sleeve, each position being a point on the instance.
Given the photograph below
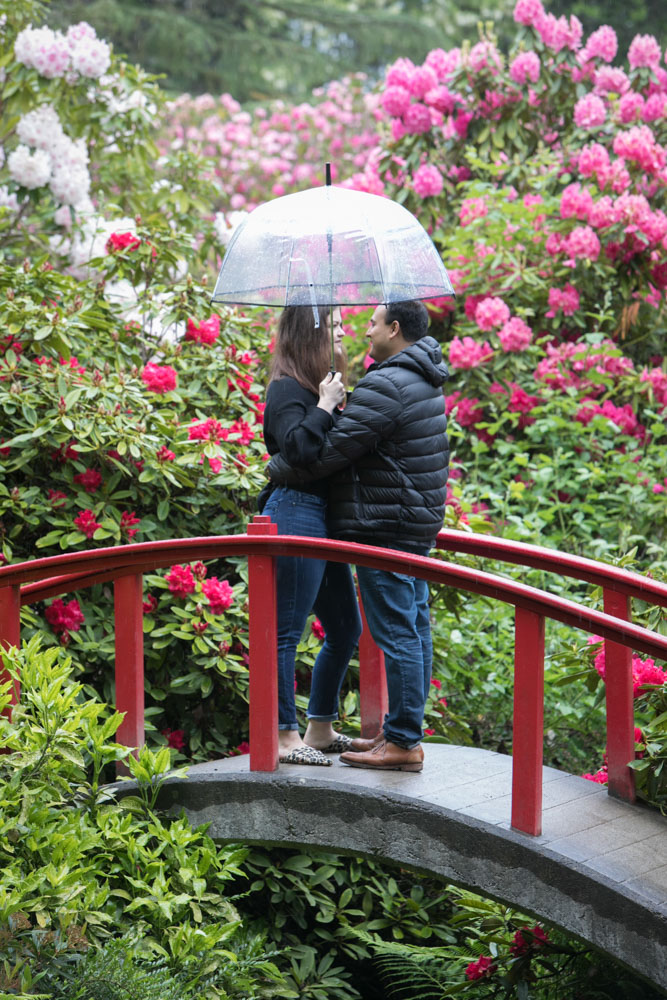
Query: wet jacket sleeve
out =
(370, 415)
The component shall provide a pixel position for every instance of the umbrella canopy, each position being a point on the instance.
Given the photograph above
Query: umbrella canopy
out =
(330, 246)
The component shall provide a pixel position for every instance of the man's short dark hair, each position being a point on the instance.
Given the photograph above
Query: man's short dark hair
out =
(412, 317)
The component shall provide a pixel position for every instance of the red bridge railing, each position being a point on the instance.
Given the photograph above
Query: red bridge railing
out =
(37, 579)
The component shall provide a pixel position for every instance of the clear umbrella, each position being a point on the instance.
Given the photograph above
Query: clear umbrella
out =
(330, 246)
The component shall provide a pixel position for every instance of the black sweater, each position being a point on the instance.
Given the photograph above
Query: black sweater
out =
(295, 426)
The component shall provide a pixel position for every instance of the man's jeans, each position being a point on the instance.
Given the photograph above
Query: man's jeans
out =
(397, 612)
(305, 585)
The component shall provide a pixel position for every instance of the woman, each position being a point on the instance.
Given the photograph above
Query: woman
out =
(300, 408)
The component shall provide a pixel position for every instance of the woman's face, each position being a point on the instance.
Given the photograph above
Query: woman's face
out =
(338, 331)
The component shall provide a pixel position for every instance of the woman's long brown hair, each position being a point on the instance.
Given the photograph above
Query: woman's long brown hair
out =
(303, 350)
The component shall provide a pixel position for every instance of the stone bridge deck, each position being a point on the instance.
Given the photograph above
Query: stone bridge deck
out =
(599, 869)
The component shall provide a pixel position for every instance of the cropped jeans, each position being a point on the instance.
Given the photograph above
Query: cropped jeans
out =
(397, 612)
(305, 586)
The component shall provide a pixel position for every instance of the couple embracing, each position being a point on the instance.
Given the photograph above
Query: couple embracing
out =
(374, 472)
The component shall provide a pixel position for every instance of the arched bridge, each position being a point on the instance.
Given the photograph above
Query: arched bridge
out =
(546, 842)
(598, 870)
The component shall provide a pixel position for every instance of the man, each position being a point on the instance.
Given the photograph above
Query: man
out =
(388, 458)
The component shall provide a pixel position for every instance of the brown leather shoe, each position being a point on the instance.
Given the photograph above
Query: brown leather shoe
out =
(386, 756)
(360, 745)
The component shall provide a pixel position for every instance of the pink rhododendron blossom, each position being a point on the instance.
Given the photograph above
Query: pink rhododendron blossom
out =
(528, 12)
(515, 335)
(122, 241)
(558, 33)
(180, 580)
(594, 161)
(491, 312)
(468, 353)
(589, 111)
(623, 416)
(441, 99)
(610, 80)
(567, 364)
(602, 44)
(575, 202)
(655, 107)
(657, 380)
(64, 617)
(204, 332)
(86, 523)
(128, 520)
(317, 629)
(400, 73)
(526, 66)
(602, 213)
(417, 119)
(422, 79)
(427, 181)
(582, 242)
(468, 411)
(644, 51)
(472, 208)
(566, 298)
(159, 378)
(484, 55)
(91, 480)
(444, 63)
(219, 593)
(396, 101)
(639, 144)
(630, 107)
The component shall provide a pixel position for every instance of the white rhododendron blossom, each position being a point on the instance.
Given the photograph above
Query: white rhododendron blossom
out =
(40, 127)
(8, 199)
(67, 159)
(30, 170)
(78, 53)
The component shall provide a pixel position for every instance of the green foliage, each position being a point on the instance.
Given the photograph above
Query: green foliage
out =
(80, 868)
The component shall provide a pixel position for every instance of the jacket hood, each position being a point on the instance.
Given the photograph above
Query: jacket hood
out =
(423, 357)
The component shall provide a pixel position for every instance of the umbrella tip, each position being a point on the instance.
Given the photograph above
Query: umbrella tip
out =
(328, 174)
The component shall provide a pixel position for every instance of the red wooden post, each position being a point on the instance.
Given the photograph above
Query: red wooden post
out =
(528, 722)
(129, 627)
(620, 705)
(10, 629)
(372, 682)
(263, 639)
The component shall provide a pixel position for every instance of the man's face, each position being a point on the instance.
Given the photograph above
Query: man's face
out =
(382, 345)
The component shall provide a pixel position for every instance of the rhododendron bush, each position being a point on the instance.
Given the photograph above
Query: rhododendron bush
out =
(131, 411)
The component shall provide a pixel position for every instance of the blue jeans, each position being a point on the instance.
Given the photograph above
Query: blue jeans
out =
(397, 612)
(306, 585)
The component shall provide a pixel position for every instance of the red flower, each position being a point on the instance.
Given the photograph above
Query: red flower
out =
(4, 451)
(149, 605)
(205, 332)
(528, 939)
(199, 570)
(243, 748)
(127, 519)
(91, 480)
(483, 968)
(159, 378)
(175, 738)
(220, 594)
(207, 430)
(55, 496)
(122, 241)
(181, 581)
(64, 617)
(85, 522)
(65, 453)
(164, 455)
(317, 629)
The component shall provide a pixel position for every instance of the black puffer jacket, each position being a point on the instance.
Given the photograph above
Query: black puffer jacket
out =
(387, 455)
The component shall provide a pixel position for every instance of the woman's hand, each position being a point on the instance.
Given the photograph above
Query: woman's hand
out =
(332, 392)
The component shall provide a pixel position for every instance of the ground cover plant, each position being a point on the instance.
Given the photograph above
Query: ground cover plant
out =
(130, 411)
